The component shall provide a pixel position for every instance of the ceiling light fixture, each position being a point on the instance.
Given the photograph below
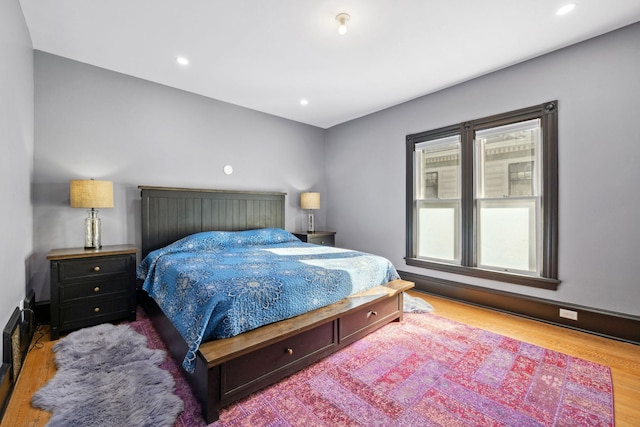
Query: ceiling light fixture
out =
(566, 9)
(304, 102)
(182, 60)
(342, 18)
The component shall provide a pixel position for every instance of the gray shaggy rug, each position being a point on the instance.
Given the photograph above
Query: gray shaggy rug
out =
(413, 304)
(108, 377)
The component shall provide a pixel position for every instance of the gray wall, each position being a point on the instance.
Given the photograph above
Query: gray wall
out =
(94, 123)
(597, 84)
(16, 157)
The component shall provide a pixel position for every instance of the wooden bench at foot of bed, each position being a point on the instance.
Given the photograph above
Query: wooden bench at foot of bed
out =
(232, 368)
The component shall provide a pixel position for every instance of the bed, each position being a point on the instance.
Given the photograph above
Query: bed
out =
(225, 369)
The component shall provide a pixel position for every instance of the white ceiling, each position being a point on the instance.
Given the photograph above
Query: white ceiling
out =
(267, 55)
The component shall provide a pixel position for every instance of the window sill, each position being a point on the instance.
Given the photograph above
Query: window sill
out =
(516, 279)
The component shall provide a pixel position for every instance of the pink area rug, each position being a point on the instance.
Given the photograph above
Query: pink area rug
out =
(425, 371)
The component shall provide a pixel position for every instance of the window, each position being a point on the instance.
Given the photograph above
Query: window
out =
(482, 197)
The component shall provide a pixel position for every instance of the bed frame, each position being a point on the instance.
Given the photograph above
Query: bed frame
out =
(229, 369)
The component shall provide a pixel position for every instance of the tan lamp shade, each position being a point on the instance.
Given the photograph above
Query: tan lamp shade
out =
(89, 193)
(310, 200)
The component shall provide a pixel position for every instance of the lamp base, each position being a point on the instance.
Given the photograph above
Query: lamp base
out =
(311, 227)
(92, 234)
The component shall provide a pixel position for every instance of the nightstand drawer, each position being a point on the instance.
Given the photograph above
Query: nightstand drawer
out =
(107, 285)
(95, 267)
(93, 308)
(322, 240)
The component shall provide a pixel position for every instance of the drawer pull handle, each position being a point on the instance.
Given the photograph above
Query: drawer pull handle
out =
(372, 313)
(96, 268)
(97, 309)
(289, 351)
(96, 289)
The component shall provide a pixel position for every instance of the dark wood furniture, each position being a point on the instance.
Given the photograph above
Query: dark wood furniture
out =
(325, 238)
(91, 286)
(232, 368)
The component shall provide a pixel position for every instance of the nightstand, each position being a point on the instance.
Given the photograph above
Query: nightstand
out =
(325, 238)
(92, 286)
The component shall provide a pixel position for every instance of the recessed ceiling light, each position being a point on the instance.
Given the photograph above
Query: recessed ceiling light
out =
(182, 60)
(304, 102)
(566, 9)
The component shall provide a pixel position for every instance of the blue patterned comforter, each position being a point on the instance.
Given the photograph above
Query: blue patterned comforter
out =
(219, 284)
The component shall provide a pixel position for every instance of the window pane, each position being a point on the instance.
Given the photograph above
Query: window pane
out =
(507, 160)
(521, 179)
(438, 225)
(507, 234)
(438, 169)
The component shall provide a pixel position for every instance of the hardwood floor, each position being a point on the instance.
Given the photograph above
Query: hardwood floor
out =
(622, 358)
(39, 367)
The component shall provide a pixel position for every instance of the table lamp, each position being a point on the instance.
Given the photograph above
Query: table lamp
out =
(310, 201)
(92, 194)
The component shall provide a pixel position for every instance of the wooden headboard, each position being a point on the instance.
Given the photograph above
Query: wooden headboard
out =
(168, 214)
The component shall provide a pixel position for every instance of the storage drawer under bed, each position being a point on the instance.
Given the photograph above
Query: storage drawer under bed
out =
(275, 359)
(354, 325)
